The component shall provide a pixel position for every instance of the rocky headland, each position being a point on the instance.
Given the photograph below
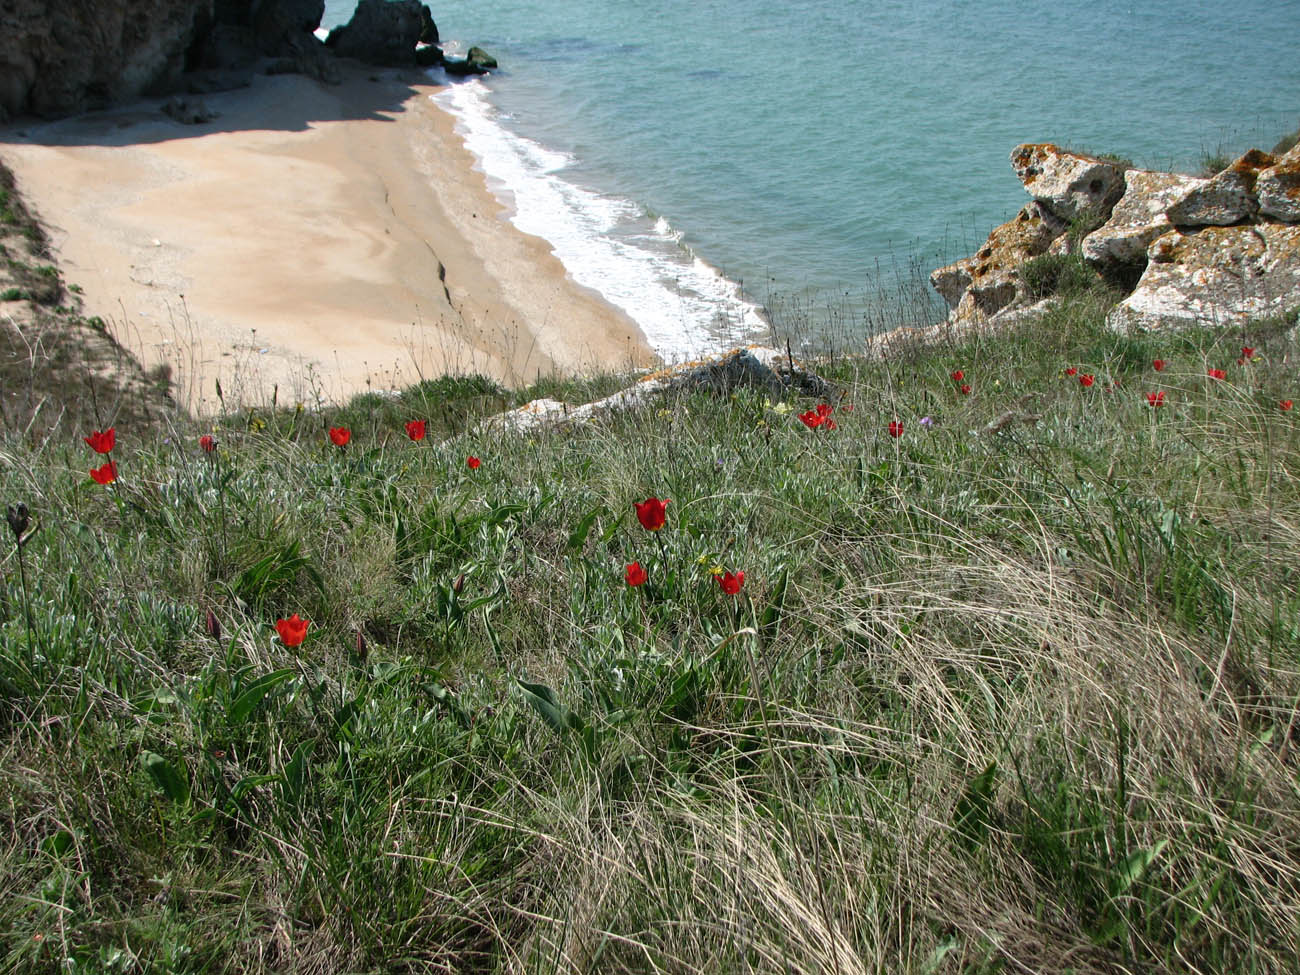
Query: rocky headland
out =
(1222, 249)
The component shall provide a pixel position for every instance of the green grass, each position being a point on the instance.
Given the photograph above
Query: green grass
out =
(1012, 701)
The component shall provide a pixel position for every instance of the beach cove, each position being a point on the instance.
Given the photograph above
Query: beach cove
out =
(310, 242)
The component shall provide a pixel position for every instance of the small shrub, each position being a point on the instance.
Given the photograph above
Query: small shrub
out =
(1213, 163)
(1286, 143)
(1058, 274)
(12, 294)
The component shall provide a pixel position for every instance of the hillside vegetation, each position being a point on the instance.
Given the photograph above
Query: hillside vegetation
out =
(989, 663)
(1013, 690)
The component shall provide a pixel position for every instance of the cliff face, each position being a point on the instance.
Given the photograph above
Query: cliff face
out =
(70, 55)
(59, 57)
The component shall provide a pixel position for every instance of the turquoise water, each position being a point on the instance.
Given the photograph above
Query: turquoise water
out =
(694, 157)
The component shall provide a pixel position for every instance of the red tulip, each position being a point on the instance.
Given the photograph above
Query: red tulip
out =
(1216, 373)
(731, 582)
(104, 475)
(958, 376)
(812, 420)
(1247, 352)
(825, 409)
(208, 443)
(965, 389)
(292, 631)
(895, 428)
(1071, 370)
(340, 436)
(1158, 365)
(415, 429)
(472, 462)
(1156, 399)
(1086, 380)
(1285, 404)
(829, 425)
(650, 513)
(102, 443)
(636, 575)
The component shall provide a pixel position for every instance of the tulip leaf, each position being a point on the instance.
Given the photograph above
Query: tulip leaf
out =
(294, 776)
(248, 782)
(547, 704)
(771, 621)
(578, 537)
(1134, 866)
(255, 692)
(173, 783)
(59, 843)
(971, 816)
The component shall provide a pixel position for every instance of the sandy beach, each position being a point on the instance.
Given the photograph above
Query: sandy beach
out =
(310, 242)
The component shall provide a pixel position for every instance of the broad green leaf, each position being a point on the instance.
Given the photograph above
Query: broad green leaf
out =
(57, 844)
(548, 705)
(173, 783)
(771, 621)
(294, 776)
(578, 537)
(253, 694)
(1130, 871)
(971, 816)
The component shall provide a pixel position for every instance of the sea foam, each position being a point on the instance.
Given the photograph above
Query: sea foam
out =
(683, 305)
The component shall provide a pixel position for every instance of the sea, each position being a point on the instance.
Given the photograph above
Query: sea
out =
(710, 165)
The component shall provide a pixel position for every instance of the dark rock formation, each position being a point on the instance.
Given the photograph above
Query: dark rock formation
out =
(60, 57)
(188, 111)
(384, 32)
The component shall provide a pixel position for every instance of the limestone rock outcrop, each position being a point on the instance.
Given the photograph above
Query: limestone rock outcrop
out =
(1226, 198)
(980, 286)
(768, 369)
(1074, 187)
(1278, 188)
(67, 56)
(61, 57)
(1138, 218)
(1216, 250)
(1215, 276)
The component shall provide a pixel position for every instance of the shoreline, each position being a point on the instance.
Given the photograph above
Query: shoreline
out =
(310, 243)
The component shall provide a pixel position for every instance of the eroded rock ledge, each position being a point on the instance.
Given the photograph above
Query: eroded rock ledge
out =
(1218, 250)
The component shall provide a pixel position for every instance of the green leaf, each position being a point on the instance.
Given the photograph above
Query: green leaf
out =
(971, 816)
(173, 783)
(1130, 871)
(249, 699)
(294, 776)
(771, 620)
(578, 537)
(57, 844)
(547, 704)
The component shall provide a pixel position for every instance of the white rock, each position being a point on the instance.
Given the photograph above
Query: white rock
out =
(1138, 218)
(1278, 188)
(1215, 276)
(1226, 198)
(1073, 186)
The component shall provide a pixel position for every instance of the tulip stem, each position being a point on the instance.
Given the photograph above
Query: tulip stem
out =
(27, 605)
(663, 552)
(221, 507)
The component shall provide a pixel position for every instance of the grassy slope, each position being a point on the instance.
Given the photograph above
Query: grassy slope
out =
(1012, 701)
